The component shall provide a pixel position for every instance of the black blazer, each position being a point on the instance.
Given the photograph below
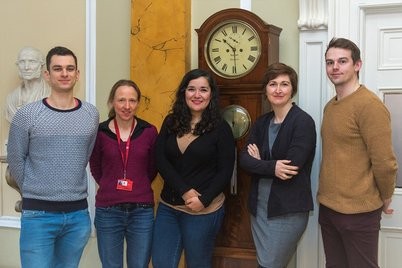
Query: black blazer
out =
(296, 141)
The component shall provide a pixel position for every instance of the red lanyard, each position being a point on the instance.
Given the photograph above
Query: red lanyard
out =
(124, 158)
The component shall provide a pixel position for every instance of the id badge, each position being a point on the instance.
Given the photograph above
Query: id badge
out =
(124, 185)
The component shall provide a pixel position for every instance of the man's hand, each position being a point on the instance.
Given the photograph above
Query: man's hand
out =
(385, 208)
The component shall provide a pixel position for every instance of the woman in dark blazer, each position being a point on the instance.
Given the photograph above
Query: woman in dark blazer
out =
(279, 154)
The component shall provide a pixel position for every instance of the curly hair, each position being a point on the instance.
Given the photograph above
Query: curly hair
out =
(180, 115)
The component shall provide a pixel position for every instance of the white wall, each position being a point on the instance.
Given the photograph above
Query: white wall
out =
(113, 47)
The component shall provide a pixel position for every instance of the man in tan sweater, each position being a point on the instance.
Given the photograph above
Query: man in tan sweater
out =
(358, 168)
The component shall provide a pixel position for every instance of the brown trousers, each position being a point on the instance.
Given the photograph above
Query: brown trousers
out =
(350, 240)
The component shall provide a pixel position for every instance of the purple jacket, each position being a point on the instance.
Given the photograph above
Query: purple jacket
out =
(107, 165)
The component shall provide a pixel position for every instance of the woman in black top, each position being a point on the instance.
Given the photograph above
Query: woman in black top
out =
(195, 157)
(279, 153)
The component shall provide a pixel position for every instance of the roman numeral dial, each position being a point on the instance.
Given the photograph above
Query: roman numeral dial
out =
(233, 49)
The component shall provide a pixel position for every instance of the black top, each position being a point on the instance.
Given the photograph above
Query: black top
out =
(206, 165)
(296, 141)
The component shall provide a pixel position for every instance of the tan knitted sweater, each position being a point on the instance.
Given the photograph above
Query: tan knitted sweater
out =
(358, 168)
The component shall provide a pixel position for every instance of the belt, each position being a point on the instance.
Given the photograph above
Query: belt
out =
(132, 206)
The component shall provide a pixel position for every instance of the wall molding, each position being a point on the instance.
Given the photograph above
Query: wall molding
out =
(313, 15)
(312, 95)
(10, 222)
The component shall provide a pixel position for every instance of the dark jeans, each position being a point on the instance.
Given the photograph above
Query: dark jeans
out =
(350, 240)
(176, 230)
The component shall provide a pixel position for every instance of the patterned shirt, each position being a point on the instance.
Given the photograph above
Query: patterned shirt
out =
(48, 150)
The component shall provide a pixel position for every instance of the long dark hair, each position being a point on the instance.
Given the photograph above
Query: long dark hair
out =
(180, 114)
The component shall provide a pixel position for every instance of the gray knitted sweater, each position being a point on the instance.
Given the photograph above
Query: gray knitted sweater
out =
(48, 150)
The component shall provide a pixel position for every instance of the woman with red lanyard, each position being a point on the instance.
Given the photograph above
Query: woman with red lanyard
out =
(123, 165)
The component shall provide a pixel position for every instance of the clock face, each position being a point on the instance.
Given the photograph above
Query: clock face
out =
(232, 49)
(238, 119)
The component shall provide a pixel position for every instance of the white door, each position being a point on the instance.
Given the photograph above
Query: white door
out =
(381, 45)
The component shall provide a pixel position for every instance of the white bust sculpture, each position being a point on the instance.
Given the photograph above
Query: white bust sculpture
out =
(33, 87)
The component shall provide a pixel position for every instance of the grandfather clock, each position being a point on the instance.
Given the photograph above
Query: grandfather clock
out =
(237, 46)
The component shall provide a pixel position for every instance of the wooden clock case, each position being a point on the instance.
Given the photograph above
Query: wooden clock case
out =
(234, 245)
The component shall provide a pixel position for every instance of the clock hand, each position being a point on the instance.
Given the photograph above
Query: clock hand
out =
(233, 119)
(234, 40)
(232, 47)
(234, 60)
(234, 53)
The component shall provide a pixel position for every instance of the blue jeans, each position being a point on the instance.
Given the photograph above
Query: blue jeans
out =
(175, 230)
(113, 225)
(53, 239)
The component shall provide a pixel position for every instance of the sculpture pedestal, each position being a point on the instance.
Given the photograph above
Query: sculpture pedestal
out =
(12, 183)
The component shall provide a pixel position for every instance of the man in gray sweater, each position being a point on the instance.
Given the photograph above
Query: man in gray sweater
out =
(50, 142)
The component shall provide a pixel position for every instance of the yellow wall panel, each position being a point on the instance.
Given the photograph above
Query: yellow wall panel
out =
(160, 56)
(159, 53)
